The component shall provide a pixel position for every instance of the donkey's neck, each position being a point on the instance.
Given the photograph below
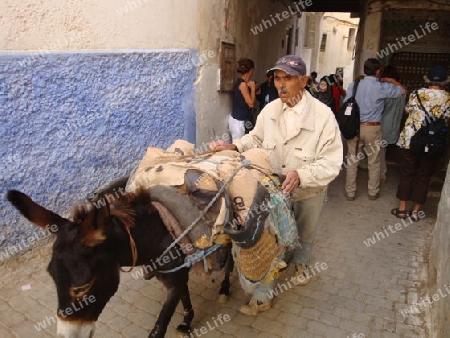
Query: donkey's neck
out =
(148, 235)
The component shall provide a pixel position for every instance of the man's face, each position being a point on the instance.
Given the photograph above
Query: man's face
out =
(289, 87)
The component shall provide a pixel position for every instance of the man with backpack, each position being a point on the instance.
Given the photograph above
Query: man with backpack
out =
(370, 97)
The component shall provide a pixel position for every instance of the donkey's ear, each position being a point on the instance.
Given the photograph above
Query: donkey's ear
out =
(35, 213)
(93, 226)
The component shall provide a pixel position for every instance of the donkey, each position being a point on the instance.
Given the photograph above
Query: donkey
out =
(90, 249)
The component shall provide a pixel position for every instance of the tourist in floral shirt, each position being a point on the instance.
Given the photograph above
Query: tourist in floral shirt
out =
(416, 171)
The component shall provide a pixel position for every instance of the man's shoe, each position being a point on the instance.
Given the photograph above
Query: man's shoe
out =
(253, 307)
(302, 275)
(350, 198)
(374, 197)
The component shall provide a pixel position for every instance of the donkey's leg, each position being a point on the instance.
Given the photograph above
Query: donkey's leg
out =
(175, 284)
(224, 292)
(185, 326)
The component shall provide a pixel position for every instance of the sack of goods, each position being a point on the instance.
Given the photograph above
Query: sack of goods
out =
(431, 137)
(348, 117)
(222, 197)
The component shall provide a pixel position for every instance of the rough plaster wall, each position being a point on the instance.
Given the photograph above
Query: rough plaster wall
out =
(71, 122)
(97, 24)
(371, 44)
(211, 106)
(231, 21)
(220, 22)
(440, 261)
(135, 24)
(270, 44)
(38, 25)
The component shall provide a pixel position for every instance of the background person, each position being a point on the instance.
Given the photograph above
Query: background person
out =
(302, 140)
(310, 86)
(325, 95)
(243, 99)
(314, 79)
(336, 89)
(391, 118)
(416, 171)
(370, 96)
(267, 92)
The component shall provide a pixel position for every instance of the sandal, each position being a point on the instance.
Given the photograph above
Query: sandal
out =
(415, 216)
(399, 213)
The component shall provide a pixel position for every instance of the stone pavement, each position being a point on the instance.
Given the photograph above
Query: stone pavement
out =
(361, 292)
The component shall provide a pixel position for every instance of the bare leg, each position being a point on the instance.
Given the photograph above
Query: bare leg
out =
(402, 205)
(415, 212)
(417, 207)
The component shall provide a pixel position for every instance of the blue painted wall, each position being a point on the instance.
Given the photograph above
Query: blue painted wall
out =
(71, 122)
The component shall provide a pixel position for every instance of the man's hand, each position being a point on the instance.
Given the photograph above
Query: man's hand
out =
(221, 145)
(291, 182)
(395, 83)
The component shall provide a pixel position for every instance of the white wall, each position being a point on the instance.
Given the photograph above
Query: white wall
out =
(336, 54)
(100, 24)
(310, 31)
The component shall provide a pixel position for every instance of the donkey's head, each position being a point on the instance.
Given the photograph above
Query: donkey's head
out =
(84, 263)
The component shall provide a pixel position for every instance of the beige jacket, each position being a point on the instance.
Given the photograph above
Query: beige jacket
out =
(309, 143)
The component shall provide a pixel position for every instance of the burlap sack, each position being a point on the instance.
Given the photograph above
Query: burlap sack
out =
(169, 168)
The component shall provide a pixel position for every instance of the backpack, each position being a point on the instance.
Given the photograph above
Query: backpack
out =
(431, 138)
(348, 117)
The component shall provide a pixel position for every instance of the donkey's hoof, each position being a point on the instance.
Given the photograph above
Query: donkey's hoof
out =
(223, 299)
(184, 328)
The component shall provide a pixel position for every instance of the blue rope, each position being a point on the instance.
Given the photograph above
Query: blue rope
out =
(194, 258)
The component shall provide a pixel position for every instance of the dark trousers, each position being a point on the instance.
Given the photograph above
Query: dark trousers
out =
(415, 175)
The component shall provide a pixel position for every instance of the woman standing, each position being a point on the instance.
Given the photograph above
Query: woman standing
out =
(416, 170)
(325, 94)
(243, 99)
